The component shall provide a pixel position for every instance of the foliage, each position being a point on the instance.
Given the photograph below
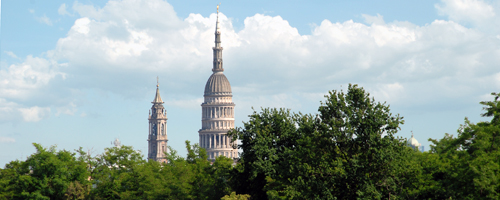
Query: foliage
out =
(234, 196)
(118, 173)
(347, 151)
(46, 174)
(468, 166)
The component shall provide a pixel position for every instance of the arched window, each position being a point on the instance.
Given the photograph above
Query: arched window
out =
(163, 129)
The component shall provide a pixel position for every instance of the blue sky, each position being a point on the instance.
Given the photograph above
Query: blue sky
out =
(80, 74)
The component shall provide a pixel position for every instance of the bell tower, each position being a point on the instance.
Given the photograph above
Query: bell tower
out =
(157, 138)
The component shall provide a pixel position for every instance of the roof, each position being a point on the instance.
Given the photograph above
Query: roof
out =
(217, 84)
(157, 96)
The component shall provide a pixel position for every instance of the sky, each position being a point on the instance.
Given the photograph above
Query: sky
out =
(83, 73)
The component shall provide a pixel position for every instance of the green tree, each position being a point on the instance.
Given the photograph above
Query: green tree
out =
(347, 151)
(114, 171)
(46, 174)
(469, 165)
(264, 140)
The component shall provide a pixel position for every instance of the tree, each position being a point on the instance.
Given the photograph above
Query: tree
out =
(469, 164)
(347, 151)
(114, 171)
(46, 174)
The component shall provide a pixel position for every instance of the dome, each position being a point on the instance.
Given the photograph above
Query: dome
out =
(413, 142)
(217, 84)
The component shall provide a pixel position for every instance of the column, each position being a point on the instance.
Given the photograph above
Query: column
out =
(202, 143)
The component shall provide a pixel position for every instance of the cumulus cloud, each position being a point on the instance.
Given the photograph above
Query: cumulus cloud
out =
(472, 11)
(34, 81)
(268, 55)
(122, 46)
(20, 81)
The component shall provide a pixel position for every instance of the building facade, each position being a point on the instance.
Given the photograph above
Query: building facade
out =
(218, 108)
(157, 138)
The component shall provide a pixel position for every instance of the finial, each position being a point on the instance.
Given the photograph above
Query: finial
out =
(411, 133)
(218, 8)
(157, 82)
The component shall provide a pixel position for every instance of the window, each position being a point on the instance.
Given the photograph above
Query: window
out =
(163, 129)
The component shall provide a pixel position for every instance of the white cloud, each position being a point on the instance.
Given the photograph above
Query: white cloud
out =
(390, 92)
(69, 109)
(44, 19)
(20, 81)
(472, 11)
(7, 140)
(268, 55)
(379, 19)
(34, 114)
(268, 62)
(62, 10)
(11, 54)
(8, 110)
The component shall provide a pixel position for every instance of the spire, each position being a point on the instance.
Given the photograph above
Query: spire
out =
(157, 96)
(217, 48)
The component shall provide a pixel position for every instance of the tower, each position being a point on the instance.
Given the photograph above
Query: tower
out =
(218, 108)
(157, 138)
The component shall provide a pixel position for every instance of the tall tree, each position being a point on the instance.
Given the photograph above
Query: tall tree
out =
(347, 151)
(113, 172)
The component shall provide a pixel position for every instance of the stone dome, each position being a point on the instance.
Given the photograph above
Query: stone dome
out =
(413, 142)
(217, 84)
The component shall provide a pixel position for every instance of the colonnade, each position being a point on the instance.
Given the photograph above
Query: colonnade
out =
(210, 141)
(230, 154)
(218, 112)
(217, 125)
